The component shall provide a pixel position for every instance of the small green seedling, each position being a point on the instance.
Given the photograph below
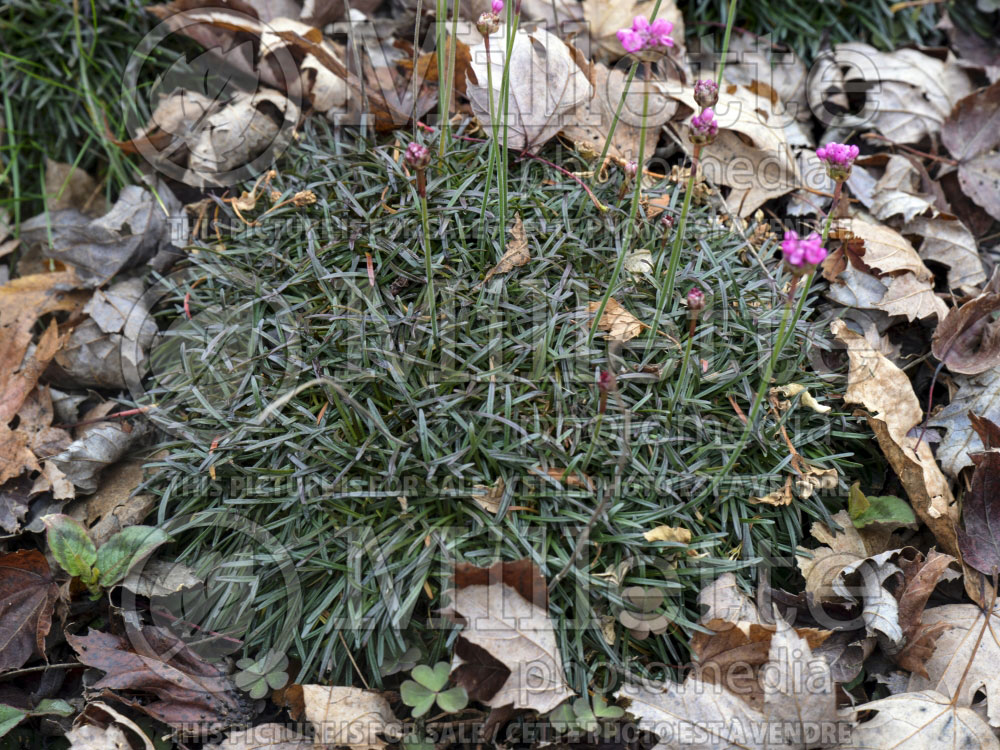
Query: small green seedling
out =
(102, 568)
(427, 686)
(258, 677)
(580, 714)
(887, 511)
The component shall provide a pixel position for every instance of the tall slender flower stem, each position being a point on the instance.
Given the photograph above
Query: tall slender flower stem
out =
(685, 363)
(633, 212)
(725, 41)
(621, 105)
(785, 333)
(675, 250)
(513, 19)
(494, 146)
(428, 266)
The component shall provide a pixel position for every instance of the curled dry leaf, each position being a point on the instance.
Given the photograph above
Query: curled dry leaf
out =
(976, 394)
(517, 253)
(668, 534)
(131, 233)
(620, 324)
(920, 576)
(359, 719)
(779, 497)
(504, 610)
(489, 497)
(189, 694)
(972, 134)
(757, 171)
(881, 388)
(915, 92)
(589, 124)
(795, 389)
(967, 339)
(948, 241)
(545, 83)
(979, 535)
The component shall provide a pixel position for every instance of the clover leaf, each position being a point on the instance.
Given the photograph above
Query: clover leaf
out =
(427, 686)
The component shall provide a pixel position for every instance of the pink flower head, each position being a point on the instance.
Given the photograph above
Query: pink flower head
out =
(802, 255)
(631, 168)
(417, 156)
(706, 93)
(696, 299)
(646, 36)
(705, 127)
(838, 158)
(659, 33)
(631, 41)
(497, 7)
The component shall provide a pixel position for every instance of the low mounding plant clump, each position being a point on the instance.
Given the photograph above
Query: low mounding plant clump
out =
(377, 451)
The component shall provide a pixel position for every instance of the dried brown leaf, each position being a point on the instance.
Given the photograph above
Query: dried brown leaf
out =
(619, 323)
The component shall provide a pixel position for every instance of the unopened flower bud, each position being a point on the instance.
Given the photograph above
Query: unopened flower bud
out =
(488, 23)
(417, 156)
(696, 300)
(706, 93)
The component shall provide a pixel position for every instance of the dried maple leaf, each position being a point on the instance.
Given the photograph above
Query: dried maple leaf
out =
(504, 612)
(723, 600)
(920, 721)
(967, 658)
(191, 695)
(799, 704)
(27, 595)
(972, 134)
(733, 654)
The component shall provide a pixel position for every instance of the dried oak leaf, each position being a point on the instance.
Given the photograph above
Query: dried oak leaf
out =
(967, 339)
(972, 133)
(190, 694)
(967, 657)
(504, 610)
(799, 700)
(27, 595)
